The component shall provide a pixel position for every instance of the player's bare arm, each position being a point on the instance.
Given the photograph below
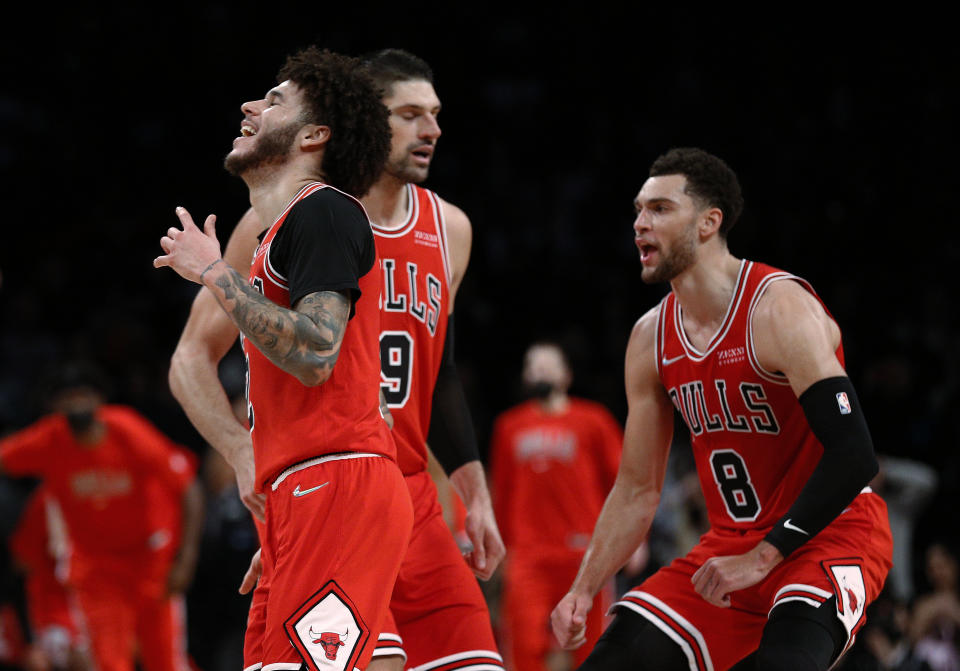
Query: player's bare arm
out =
(469, 480)
(303, 341)
(795, 336)
(194, 381)
(632, 503)
(460, 238)
(470, 483)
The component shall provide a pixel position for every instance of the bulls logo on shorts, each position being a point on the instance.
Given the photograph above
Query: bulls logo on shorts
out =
(327, 631)
(847, 578)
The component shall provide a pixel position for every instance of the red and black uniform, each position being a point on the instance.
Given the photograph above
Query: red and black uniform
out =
(338, 513)
(551, 473)
(116, 498)
(439, 617)
(754, 451)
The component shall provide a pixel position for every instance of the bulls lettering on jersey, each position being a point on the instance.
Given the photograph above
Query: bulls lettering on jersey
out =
(752, 444)
(413, 307)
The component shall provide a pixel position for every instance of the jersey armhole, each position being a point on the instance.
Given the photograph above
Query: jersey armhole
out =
(776, 378)
(441, 224)
(661, 334)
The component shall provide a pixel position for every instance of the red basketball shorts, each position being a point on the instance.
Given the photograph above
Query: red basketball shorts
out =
(438, 615)
(849, 559)
(336, 529)
(532, 586)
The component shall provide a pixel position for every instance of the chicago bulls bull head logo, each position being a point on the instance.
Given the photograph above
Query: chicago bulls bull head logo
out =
(330, 640)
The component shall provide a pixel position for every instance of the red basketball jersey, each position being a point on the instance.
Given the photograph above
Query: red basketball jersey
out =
(413, 316)
(291, 422)
(753, 447)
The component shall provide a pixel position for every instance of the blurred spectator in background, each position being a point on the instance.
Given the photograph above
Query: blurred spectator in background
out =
(553, 460)
(217, 612)
(123, 487)
(907, 486)
(15, 633)
(935, 623)
(884, 637)
(40, 548)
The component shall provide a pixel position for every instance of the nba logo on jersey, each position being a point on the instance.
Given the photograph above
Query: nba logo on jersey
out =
(844, 403)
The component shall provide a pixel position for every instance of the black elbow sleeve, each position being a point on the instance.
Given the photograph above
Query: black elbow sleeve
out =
(848, 463)
(451, 437)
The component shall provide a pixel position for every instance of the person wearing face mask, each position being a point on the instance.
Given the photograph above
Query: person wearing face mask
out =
(132, 510)
(553, 459)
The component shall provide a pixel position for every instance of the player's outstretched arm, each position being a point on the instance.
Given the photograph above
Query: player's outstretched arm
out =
(630, 507)
(793, 334)
(194, 380)
(303, 341)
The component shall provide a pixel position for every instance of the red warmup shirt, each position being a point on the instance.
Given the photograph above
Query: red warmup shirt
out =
(752, 444)
(110, 493)
(413, 316)
(551, 474)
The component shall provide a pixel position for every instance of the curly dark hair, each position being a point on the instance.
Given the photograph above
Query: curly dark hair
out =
(709, 181)
(339, 93)
(389, 66)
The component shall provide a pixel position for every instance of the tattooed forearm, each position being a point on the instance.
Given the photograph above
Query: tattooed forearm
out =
(304, 341)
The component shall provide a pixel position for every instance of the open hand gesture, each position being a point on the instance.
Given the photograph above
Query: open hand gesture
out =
(190, 251)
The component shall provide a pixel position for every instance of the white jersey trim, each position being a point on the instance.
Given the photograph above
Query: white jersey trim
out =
(464, 655)
(797, 587)
(411, 217)
(441, 225)
(661, 336)
(320, 460)
(281, 666)
(254, 667)
(392, 651)
(271, 272)
(776, 378)
(693, 353)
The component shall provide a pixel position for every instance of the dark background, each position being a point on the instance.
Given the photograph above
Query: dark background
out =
(840, 125)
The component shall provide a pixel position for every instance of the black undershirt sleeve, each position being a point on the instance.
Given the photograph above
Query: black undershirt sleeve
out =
(324, 244)
(846, 467)
(451, 437)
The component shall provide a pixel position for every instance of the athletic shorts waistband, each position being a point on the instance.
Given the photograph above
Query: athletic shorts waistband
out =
(336, 456)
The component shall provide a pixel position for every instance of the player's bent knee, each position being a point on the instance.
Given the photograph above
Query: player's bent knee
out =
(801, 638)
(633, 643)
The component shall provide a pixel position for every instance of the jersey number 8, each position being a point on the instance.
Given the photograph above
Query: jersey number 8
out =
(733, 481)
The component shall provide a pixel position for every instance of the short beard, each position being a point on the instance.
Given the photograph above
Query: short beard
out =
(682, 255)
(272, 149)
(403, 171)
